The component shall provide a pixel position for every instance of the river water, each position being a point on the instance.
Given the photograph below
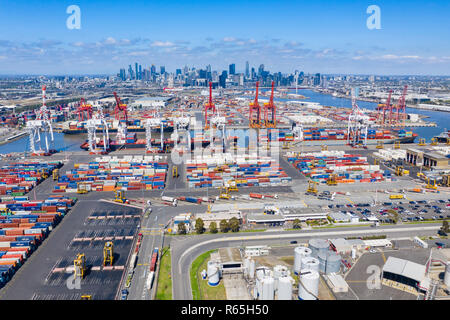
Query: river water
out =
(442, 119)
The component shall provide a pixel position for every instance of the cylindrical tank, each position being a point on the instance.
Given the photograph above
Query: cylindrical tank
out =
(251, 269)
(447, 276)
(262, 272)
(213, 274)
(333, 263)
(204, 274)
(353, 253)
(310, 263)
(258, 288)
(280, 271)
(285, 288)
(322, 257)
(318, 245)
(299, 254)
(308, 286)
(268, 289)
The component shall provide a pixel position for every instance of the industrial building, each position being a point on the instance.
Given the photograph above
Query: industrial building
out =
(151, 102)
(405, 272)
(426, 157)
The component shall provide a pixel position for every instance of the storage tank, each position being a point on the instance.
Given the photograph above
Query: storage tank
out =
(285, 288)
(318, 245)
(278, 272)
(333, 263)
(268, 289)
(299, 254)
(251, 269)
(308, 286)
(447, 275)
(213, 274)
(322, 258)
(310, 263)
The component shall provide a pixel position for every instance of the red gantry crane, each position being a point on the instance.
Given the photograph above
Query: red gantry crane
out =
(209, 106)
(383, 108)
(120, 111)
(270, 120)
(84, 111)
(401, 108)
(255, 111)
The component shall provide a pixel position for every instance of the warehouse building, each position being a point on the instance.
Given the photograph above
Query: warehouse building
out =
(426, 157)
(151, 102)
(405, 273)
(230, 260)
(216, 217)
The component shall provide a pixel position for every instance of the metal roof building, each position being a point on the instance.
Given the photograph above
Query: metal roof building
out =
(404, 271)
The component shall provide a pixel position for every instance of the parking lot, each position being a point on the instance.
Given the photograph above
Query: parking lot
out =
(408, 211)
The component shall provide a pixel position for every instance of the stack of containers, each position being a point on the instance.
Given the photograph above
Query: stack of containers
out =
(24, 224)
(348, 168)
(109, 174)
(18, 178)
(246, 171)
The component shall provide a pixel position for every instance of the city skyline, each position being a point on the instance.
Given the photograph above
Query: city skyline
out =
(325, 37)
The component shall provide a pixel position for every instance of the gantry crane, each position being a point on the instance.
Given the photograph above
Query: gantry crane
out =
(119, 196)
(401, 108)
(41, 128)
(270, 113)
(150, 125)
(331, 181)
(380, 144)
(255, 111)
(224, 193)
(312, 188)
(429, 185)
(209, 106)
(79, 266)
(55, 174)
(108, 253)
(84, 111)
(357, 125)
(422, 142)
(120, 111)
(98, 121)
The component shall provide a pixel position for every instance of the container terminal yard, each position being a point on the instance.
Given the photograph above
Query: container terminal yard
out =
(226, 194)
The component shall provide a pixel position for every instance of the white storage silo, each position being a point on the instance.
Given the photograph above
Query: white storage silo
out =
(268, 289)
(251, 269)
(322, 257)
(278, 272)
(318, 245)
(299, 254)
(310, 263)
(213, 274)
(308, 286)
(285, 288)
(333, 263)
(447, 275)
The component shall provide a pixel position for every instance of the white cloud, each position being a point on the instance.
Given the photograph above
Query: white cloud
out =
(162, 44)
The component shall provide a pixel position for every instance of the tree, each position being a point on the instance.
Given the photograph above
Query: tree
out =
(445, 227)
(234, 224)
(181, 228)
(213, 227)
(224, 226)
(199, 226)
(296, 224)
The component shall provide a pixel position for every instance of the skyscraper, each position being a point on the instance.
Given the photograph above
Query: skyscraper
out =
(136, 71)
(153, 69)
(317, 79)
(247, 70)
(232, 69)
(140, 73)
(163, 70)
(260, 70)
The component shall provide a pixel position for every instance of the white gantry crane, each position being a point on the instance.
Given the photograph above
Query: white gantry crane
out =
(357, 124)
(182, 123)
(150, 125)
(41, 128)
(219, 122)
(97, 121)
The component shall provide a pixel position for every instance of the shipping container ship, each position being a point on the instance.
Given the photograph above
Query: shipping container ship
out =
(78, 127)
(443, 137)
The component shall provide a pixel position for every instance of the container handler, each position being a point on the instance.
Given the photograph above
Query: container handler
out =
(108, 253)
(312, 188)
(55, 174)
(79, 266)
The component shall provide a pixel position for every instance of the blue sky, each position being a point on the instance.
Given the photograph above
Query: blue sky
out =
(313, 36)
